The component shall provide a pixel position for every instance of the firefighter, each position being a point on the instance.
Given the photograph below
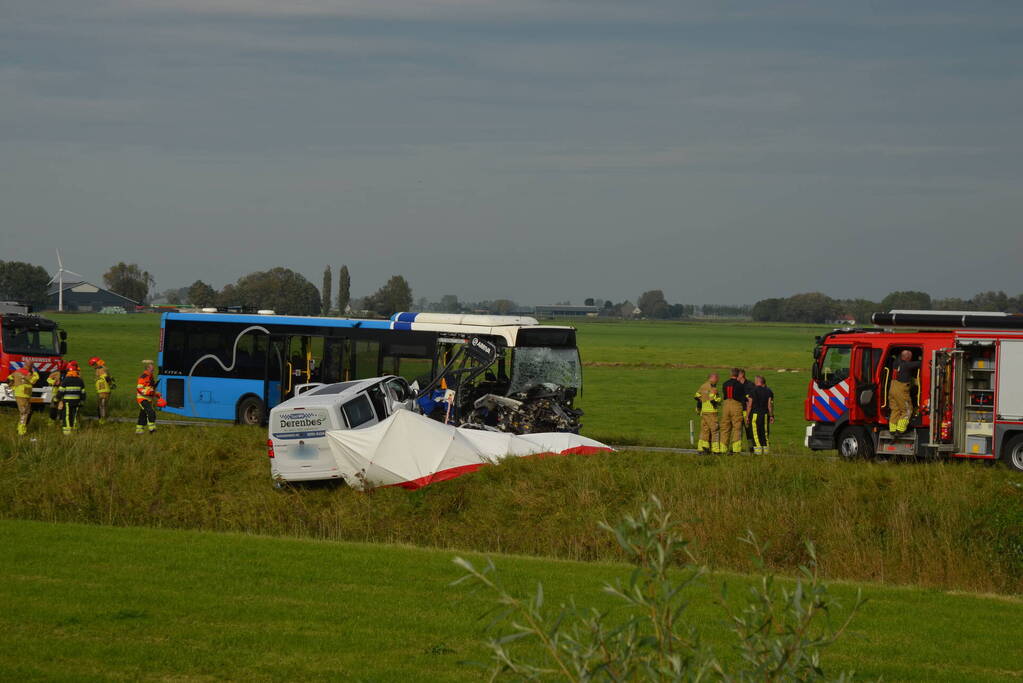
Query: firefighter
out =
(760, 415)
(22, 380)
(899, 398)
(72, 395)
(748, 388)
(53, 380)
(732, 407)
(104, 385)
(707, 400)
(145, 395)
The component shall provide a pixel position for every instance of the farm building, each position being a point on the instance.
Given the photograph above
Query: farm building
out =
(566, 311)
(85, 296)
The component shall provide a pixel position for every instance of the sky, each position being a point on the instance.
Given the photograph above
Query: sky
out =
(537, 150)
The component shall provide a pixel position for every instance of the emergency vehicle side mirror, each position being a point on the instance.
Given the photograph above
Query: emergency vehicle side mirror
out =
(62, 335)
(866, 397)
(815, 371)
(63, 348)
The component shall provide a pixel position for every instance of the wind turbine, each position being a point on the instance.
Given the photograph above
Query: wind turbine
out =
(59, 277)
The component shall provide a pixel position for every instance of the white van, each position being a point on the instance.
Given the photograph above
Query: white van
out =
(297, 443)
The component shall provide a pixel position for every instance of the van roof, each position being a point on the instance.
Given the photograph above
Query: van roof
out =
(329, 394)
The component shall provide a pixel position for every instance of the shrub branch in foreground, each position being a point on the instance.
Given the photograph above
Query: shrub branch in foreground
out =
(778, 628)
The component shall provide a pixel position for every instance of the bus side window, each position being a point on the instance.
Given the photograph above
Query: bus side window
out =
(367, 358)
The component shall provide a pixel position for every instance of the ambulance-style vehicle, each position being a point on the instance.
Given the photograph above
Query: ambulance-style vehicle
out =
(968, 395)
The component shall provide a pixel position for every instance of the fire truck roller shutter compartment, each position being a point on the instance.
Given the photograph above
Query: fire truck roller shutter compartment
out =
(1010, 380)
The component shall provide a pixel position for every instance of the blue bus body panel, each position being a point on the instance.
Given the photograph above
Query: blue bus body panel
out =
(216, 398)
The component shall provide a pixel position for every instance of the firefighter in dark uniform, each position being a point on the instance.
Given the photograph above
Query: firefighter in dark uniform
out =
(760, 415)
(145, 396)
(747, 386)
(71, 393)
(734, 394)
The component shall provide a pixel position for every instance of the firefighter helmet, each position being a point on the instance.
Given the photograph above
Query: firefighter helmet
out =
(95, 361)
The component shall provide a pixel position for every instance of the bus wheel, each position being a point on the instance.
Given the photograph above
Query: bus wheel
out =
(250, 411)
(854, 444)
(1012, 453)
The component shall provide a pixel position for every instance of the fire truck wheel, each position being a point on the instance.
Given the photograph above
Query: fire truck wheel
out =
(1012, 453)
(250, 411)
(854, 444)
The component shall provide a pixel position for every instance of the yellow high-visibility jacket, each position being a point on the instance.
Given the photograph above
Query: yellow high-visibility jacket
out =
(22, 384)
(707, 398)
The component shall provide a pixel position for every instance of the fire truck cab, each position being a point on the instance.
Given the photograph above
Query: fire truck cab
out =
(967, 397)
(28, 339)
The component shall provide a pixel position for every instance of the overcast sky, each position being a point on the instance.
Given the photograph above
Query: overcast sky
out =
(540, 150)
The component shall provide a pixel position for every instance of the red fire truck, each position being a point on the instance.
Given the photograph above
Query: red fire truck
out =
(29, 339)
(968, 397)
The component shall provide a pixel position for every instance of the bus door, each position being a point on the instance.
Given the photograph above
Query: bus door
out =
(276, 379)
(864, 402)
(304, 359)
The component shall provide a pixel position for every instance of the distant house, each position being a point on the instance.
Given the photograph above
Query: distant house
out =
(566, 311)
(85, 296)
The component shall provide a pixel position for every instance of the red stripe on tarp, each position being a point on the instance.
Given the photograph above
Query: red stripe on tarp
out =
(454, 472)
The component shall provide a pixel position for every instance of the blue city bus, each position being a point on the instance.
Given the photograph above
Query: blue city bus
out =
(236, 367)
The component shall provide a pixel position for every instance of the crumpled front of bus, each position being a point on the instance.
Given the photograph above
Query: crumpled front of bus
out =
(540, 396)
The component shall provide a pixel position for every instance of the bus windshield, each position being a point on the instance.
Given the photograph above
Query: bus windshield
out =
(545, 365)
(30, 340)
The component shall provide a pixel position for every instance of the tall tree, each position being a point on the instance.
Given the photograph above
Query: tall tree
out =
(280, 289)
(394, 296)
(344, 290)
(653, 304)
(908, 300)
(201, 294)
(128, 280)
(24, 282)
(326, 290)
(449, 304)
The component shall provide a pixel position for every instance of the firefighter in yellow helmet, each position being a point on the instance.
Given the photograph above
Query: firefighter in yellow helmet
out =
(104, 385)
(707, 401)
(53, 380)
(22, 380)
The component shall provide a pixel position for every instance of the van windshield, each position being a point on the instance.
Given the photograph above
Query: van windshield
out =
(545, 365)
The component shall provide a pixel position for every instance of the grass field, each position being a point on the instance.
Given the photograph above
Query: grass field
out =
(87, 603)
(93, 602)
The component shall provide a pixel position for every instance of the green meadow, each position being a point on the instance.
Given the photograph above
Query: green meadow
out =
(100, 603)
(172, 556)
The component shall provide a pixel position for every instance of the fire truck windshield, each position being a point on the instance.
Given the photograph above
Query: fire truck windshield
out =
(30, 340)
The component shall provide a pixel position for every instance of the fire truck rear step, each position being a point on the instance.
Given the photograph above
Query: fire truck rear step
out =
(897, 444)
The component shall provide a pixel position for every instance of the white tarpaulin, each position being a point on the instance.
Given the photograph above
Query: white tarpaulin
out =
(411, 450)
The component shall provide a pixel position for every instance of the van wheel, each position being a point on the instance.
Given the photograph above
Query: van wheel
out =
(250, 411)
(853, 444)
(1012, 453)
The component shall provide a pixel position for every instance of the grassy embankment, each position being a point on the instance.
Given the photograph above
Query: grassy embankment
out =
(98, 602)
(947, 525)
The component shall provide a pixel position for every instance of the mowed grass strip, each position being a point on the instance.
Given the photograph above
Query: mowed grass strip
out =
(952, 525)
(92, 603)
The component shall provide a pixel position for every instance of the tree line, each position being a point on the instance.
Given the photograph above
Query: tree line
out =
(280, 289)
(815, 307)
